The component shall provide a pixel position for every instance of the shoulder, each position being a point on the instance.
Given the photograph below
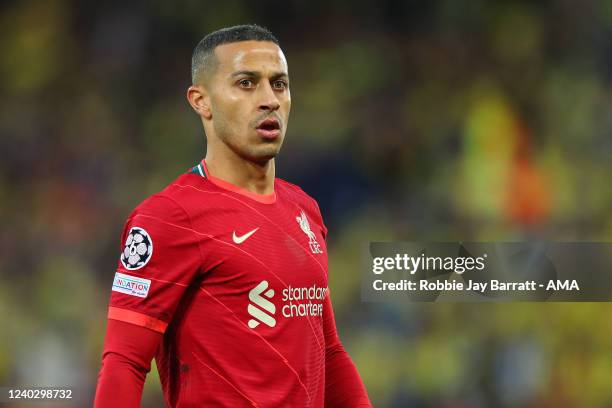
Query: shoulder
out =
(158, 208)
(296, 194)
(167, 204)
(299, 197)
(162, 219)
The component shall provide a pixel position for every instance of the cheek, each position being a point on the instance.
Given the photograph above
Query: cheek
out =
(236, 110)
(232, 120)
(224, 112)
(287, 107)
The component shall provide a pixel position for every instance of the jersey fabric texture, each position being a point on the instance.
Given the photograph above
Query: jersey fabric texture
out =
(237, 285)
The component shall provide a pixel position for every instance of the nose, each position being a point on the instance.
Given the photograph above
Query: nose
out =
(269, 100)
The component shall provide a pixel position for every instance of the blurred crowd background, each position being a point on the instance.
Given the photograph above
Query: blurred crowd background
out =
(411, 120)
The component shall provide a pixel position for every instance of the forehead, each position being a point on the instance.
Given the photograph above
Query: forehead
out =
(250, 56)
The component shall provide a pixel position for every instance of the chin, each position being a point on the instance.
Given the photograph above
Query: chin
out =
(263, 158)
(259, 156)
(264, 155)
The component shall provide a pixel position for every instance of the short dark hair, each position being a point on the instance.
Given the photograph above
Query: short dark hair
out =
(204, 61)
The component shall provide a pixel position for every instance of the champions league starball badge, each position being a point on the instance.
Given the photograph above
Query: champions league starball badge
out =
(138, 249)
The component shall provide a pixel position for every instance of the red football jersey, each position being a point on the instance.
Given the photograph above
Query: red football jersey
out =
(237, 282)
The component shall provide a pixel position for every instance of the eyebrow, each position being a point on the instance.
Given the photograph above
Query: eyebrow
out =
(257, 74)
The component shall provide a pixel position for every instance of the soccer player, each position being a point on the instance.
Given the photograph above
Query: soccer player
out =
(223, 275)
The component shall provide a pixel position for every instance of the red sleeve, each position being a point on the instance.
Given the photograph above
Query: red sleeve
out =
(126, 360)
(343, 386)
(159, 259)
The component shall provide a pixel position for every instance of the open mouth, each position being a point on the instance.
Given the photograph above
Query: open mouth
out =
(269, 124)
(269, 128)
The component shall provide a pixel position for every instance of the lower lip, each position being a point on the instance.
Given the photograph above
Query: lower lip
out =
(269, 134)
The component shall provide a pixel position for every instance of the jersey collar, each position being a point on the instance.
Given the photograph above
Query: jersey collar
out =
(202, 171)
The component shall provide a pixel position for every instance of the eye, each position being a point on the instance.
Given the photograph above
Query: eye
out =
(246, 83)
(280, 84)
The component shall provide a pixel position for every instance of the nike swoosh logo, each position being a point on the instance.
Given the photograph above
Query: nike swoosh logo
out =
(240, 239)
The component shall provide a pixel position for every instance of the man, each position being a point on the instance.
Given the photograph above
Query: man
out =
(223, 274)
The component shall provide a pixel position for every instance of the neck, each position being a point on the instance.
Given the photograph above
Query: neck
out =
(254, 177)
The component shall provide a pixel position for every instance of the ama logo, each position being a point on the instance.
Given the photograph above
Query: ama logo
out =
(260, 308)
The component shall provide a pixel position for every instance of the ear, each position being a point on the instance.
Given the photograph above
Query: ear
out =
(199, 100)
